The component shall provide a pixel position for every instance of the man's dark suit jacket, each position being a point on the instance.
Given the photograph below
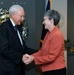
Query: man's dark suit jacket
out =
(11, 51)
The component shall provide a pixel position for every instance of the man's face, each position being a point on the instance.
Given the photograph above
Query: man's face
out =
(19, 17)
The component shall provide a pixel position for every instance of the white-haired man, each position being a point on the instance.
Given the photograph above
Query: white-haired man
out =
(12, 46)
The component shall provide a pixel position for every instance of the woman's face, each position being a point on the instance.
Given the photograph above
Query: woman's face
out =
(46, 22)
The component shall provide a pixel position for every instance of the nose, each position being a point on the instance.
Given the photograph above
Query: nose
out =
(23, 18)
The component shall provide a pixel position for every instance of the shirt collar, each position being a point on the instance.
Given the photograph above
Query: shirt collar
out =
(12, 22)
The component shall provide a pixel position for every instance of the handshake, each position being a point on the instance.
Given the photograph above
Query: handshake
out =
(27, 59)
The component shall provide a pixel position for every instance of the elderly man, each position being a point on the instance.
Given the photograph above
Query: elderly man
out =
(12, 46)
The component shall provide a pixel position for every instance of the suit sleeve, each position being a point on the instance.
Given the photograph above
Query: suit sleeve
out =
(30, 50)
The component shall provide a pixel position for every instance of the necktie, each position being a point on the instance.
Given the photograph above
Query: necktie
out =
(15, 27)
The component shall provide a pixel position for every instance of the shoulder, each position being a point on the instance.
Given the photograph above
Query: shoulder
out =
(57, 33)
(4, 27)
(5, 24)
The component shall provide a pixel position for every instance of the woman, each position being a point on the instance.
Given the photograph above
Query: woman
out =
(51, 56)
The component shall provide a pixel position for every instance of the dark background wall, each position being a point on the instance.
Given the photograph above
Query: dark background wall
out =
(70, 27)
(70, 35)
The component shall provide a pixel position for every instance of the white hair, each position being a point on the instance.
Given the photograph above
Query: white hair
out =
(15, 9)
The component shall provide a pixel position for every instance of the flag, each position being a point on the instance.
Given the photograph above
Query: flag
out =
(44, 31)
(48, 5)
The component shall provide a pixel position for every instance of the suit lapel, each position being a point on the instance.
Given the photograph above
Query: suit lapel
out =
(15, 33)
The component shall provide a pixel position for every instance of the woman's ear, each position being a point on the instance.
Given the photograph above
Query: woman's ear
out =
(52, 20)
